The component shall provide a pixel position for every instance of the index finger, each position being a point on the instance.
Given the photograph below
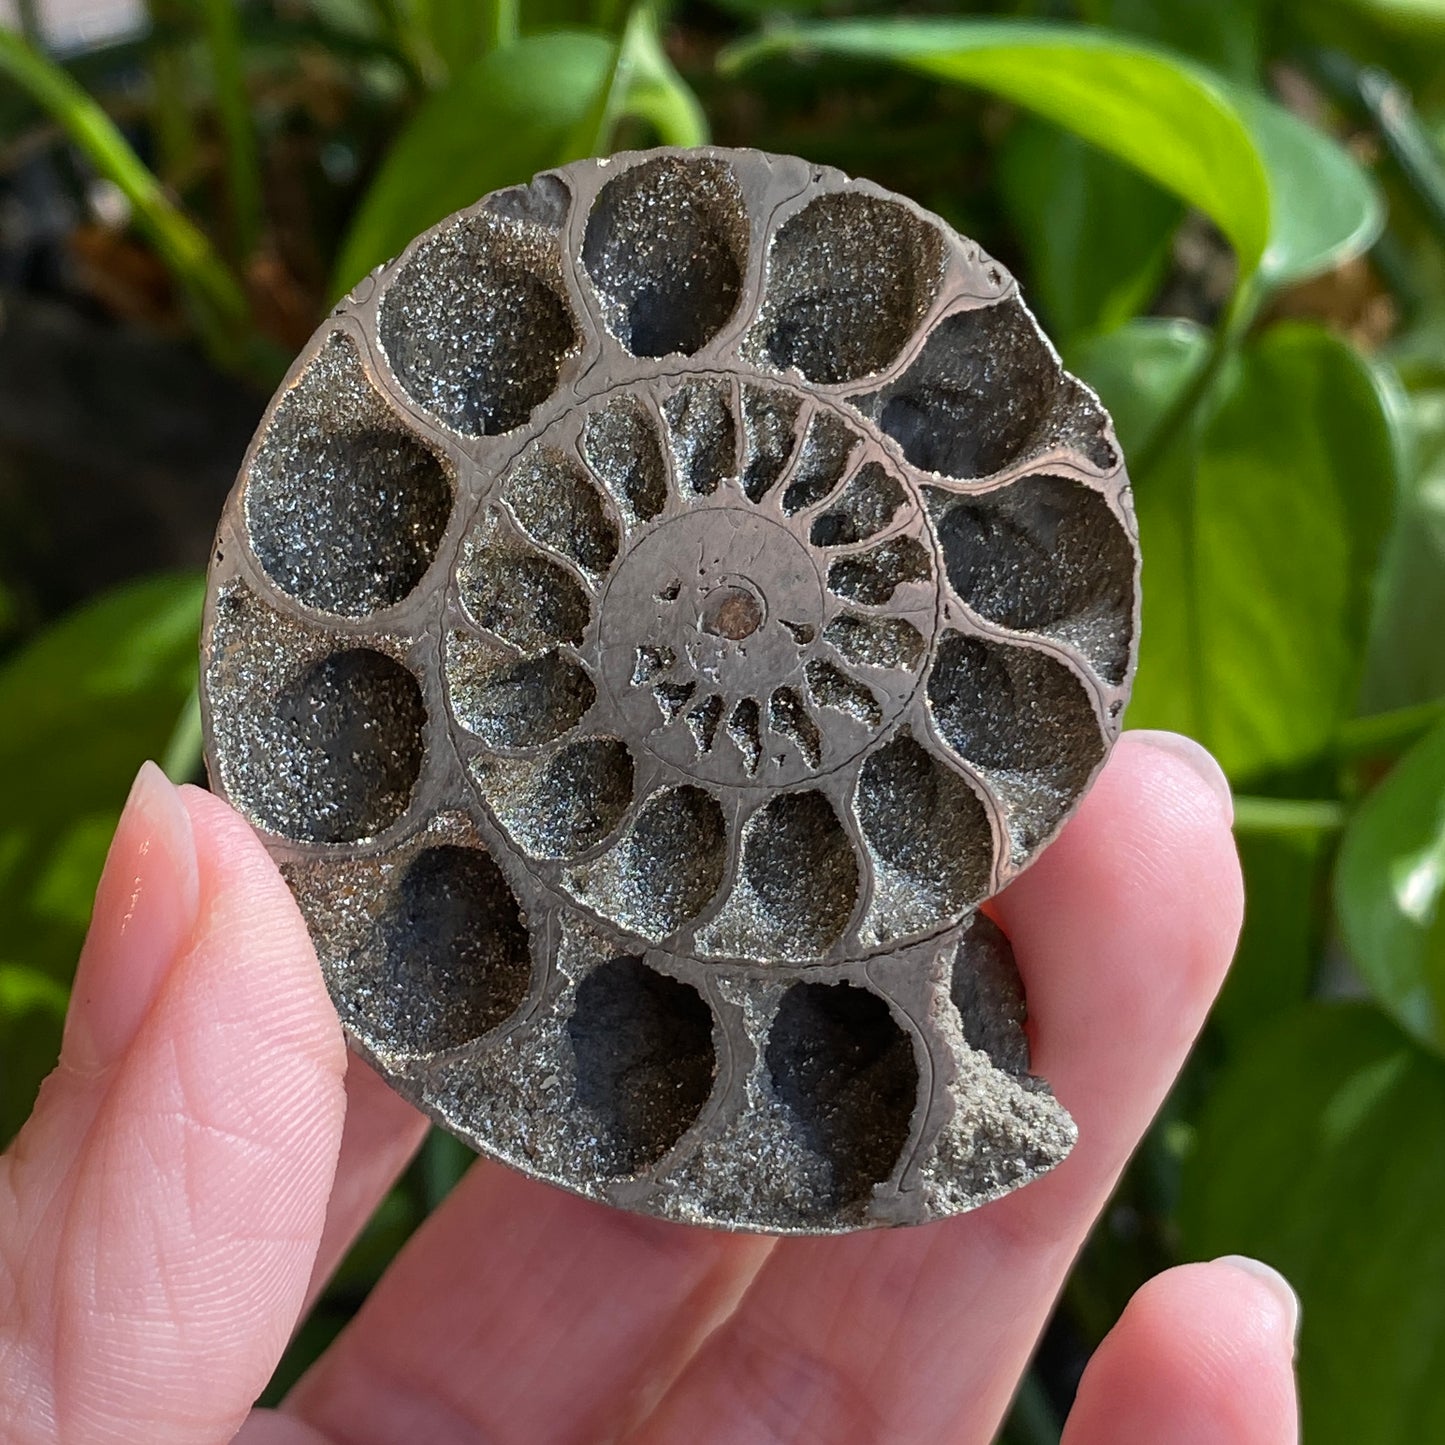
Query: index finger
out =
(1122, 931)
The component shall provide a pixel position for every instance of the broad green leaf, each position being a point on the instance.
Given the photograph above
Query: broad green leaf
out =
(1290, 201)
(1322, 1151)
(81, 707)
(1324, 208)
(1095, 233)
(1165, 117)
(1390, 890)
(1296, 482)
(1406, 661)
(1261, 533)
(538, 103)
(504, 118)
(1139, 371)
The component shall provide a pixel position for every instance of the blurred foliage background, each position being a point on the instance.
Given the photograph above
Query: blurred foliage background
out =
(1229, 215)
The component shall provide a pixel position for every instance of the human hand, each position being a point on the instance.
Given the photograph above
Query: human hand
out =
(203, 1156)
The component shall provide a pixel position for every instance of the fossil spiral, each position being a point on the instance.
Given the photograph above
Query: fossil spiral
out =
(656, 612)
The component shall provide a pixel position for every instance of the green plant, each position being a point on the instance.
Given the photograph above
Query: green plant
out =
(1229, 213)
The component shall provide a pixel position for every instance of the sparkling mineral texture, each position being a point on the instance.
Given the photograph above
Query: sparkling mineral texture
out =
(655, 613)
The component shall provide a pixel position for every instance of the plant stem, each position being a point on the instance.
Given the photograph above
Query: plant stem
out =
(243, 167)
(181, 760)
(1288, 815)
(175, 136)
(593, 131)
(1182, 411)
(1180, 417)
(220, 302)
(443, 1162)
(502, 24)
(1387, 734)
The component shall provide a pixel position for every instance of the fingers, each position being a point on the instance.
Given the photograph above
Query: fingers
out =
(162, 1207)
(1203, 1355)
(382, 1133)
(1123, 930)
(520, 1313)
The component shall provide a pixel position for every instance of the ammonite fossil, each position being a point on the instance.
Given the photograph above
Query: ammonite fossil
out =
(656, 612)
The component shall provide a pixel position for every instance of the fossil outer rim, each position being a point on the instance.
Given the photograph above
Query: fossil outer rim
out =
(412, 629)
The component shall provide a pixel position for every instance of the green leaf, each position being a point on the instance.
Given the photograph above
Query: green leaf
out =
(1261, 528)
(1406, 663)
(1324, 208)
(81, 707)
(1096, 234)
(1163, 116)
(653, 91)
(1321, 1153)
(504, 118)
(1390, 888)
(222, 23)
(641, 84)
(1296, 482)
(541, 102)
(1405, 15)
(1289, 199)
(1139, 371)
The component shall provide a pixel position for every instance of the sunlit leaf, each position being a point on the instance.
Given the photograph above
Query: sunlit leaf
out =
(1289, 199)
(504, 118)
(541, 102)
(1163, 116)
(1261, 531)
(1324, 208)
(1095, 233)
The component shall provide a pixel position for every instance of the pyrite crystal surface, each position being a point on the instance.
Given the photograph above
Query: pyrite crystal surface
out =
(655, 613)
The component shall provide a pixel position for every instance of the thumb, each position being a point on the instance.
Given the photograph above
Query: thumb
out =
(160, 1211)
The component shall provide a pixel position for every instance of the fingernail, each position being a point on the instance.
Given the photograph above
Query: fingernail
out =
(1197, 757)
(145, 913)
(1283, 1291)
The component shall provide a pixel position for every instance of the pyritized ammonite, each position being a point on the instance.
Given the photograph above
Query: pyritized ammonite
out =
(657, 611)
